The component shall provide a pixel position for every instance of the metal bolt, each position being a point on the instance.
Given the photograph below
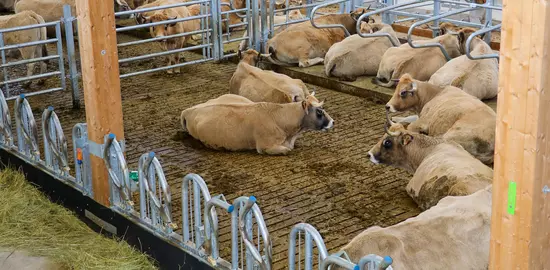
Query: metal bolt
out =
(103, 52)
(545, 190)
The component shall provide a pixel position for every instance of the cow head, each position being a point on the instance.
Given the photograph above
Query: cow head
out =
(295, 15)
(315, 117)
(463, 36)
(448, 28)
(121, 5)
(369, 28)
(358, 12)
(250, 56)
(391, 149)
(405, 95)
(159, 30)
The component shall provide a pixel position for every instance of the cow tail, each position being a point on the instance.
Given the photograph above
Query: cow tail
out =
(382, 82)
(183, 121)
(329, 68)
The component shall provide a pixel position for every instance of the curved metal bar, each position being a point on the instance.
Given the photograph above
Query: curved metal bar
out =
(426, 45)
(337, 260)
(5, 122)
(308, 229)
(56, 145)
(471, 38)
(161, 203)
(394, 42)
(264, 262)
(232, 7)
(388, 8)
(28, 139)
(374, 262)
(212, 235)
(314, 10)
(199, 187)
(123, 186)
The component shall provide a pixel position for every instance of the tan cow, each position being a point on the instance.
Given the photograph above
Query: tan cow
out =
(264, 85)
(441, 168)
(158, 31)
(233, 124)
(421, 63)
(453, 235)
(25, 18)
(306, 45)
(357, 56)
(478, 78)
(293, 15)
(448, 112)
(52, 10)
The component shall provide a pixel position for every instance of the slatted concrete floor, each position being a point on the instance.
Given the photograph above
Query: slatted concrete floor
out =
(327, 181)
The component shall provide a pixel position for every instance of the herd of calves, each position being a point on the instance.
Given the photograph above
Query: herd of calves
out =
(448, 144)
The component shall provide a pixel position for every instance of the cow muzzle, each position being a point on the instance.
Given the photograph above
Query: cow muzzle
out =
(390, 108)
(373, 159)
(328, 126)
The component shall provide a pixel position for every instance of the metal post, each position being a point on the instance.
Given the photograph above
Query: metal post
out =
(255, 23)
(488, 21)
(437, 11)
(4, 69)
(216, 29)
(69, 39)
(388, 18)
(60, 53)
(264, 29)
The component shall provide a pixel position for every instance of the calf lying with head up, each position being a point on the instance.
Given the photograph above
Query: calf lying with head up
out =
(478, 78)
(448, 112)
(421, 63)
(264, 85)
(453, 235)
(441, 168)
(357, 56)
(235, 123)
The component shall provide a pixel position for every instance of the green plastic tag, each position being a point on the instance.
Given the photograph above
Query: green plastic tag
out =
(512, 198)
(134, 176)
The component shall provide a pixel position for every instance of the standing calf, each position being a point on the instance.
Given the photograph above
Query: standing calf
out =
(25, 18)
(263, 85)
(441, 168)
(356, 56)
(478, 78)
(448, 112)
(235, 123)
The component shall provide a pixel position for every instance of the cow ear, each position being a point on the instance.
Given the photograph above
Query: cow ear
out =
(304, 106)
(407, 138)
(461, 37)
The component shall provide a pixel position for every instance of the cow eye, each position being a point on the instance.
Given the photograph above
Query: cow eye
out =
(387, 144)
(403, 93)
(319, 113)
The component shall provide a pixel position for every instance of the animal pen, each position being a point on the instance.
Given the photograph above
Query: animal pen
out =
(186, 205)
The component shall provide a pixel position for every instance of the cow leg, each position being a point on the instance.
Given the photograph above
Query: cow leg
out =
(169, 57)
(177, 70)
(348, 78)
(43, 65)
(277, 150)
(310, 62)
(28, 53)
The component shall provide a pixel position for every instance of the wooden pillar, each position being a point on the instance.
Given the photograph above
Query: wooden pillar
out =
(100, 76)
(520, 225)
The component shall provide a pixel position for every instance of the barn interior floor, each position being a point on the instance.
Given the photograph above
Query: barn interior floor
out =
(327, 181)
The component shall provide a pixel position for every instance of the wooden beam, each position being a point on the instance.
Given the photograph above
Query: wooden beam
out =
(520, 236)
(100, 76)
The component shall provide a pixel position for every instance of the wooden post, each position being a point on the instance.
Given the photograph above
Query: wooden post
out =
(100, 75)
(520, 231)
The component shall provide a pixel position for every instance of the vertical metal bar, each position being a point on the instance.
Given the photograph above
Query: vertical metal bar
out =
(155, 215)
(235, 238)
(60, 53)
(69, 39)
(248, 28)
(255, 24)
(249, 258)
(264, 29)
(387, 18)
(437, 11)
(203, 23)
(309, 252)
(308, 9)
(5, 70)
(216, 28)
(488, 20)
(142, 196)
(185, 209)
(197, 213)
(272, 18)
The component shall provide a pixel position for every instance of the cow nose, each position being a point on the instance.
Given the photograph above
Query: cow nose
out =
(387, 107)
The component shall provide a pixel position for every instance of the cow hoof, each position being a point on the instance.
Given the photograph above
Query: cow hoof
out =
(41, 82)
(170, 71)
(177, 71)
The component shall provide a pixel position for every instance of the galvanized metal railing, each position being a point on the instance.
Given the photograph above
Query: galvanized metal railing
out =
(55, 144)
(6, 137)
(119, 178)
(81, 154)
(155, 196)
(27, 133)
(471, 38)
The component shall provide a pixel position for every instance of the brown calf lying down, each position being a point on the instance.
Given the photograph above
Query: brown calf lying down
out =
(304, 45)
(478, 78)
(421, 63)
(448, 112)
(453, 235)
(234, 123)
(357, 56)
(441, 168)
(264, 85)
